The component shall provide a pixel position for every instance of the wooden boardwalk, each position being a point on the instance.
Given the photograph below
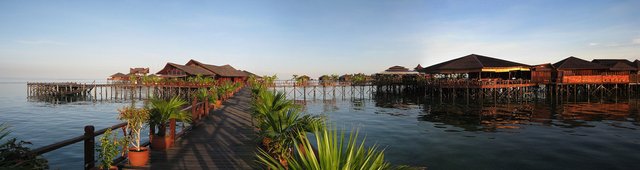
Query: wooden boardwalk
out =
(223, 140)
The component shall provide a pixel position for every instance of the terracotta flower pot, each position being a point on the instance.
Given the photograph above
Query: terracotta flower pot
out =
(161, 142)
(138, 158)
(218, 103)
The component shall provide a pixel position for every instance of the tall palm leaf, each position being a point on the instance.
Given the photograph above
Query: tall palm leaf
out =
(332, 152)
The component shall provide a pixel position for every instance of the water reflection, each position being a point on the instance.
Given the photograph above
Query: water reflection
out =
(490, 117)
(536, 134)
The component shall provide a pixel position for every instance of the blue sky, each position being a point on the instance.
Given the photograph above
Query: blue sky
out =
(91, 40)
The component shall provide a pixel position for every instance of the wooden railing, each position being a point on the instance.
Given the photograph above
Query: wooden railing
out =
(198, 110)
(595, 79)
(312, 83)
(484, 83)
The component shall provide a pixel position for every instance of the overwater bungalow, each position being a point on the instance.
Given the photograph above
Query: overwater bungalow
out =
(302, 80)
(345, 78)
(173, 70)
(221, 73)
(396, 75)
(621, 65)
(574, 70)
(195, 68)
(139, 71)
(118, 77)
(328, 80)
(479, 67)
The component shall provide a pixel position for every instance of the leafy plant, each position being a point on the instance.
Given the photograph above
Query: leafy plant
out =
(135, 118)
(279, 122)
(161, 111)
(15, 154)
(202, 94)
(108, 149)
(333, 152)
(359, 78)
(213, 94)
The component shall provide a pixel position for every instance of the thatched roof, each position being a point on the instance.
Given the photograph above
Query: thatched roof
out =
(190, 70)
(473, 63)
(617, 64)
(139, 70)
(250, 74)
(621, 66)
(224, 71)
(397, 69)
(118, 75)
(574, 63)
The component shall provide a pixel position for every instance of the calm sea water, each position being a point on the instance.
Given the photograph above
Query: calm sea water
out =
(534, 135)
(413, 130)
(44, 123)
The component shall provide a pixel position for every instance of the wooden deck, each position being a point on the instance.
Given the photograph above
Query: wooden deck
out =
(223, 140)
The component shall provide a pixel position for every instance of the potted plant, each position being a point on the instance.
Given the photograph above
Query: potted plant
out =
(135, 118)
(108, 149)
(161, 112)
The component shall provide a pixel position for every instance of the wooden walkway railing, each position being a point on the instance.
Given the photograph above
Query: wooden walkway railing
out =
(198, 110)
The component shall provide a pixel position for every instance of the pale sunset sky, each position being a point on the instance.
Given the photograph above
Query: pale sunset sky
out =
(94, 39)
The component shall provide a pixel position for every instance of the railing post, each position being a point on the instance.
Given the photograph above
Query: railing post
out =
(89, 144)
(194, 109)
(206, 107)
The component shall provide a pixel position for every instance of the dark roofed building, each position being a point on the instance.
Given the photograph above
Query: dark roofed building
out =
(476, 63)
(177, 70)
(574, 63)
(224, 72)
(118, 77)
(617, 64)
(139, 71)
(397, 69)
(573, 70)
(480, 67)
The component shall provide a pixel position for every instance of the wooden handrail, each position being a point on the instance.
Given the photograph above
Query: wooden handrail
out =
(57, 145)
(89, 141)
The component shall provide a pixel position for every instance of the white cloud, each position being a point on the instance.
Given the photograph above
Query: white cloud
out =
(40, 42)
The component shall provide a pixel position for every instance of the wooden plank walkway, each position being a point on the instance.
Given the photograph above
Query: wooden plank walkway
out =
(223, 140)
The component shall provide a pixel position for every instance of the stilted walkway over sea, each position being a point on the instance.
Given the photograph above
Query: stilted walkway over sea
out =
(223, 140)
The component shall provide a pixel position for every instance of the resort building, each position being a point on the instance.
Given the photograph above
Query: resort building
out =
(396, 75)
(479, 67)
(137, 72)
(118, 77)
(195, 68)
(573, 70)
(222, 73)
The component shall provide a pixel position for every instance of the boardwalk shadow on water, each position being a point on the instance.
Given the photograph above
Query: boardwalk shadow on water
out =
(223, 140)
